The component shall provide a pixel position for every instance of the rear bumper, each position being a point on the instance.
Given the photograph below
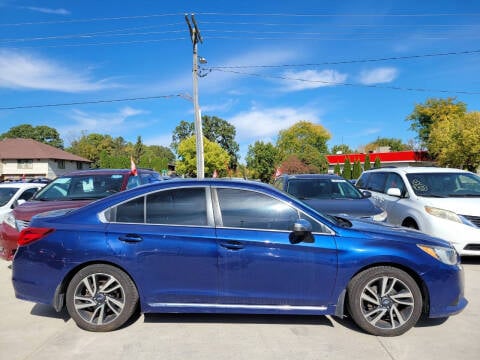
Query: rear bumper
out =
(8, 241)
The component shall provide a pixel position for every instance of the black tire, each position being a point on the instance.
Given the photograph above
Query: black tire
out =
(384, 301)
(97, 308)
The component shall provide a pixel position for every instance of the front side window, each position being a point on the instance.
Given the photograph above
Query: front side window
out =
(253, 210)
(395, 181)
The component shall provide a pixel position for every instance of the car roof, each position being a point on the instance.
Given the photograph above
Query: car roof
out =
(312, 176)
(19, 184)
(103, 172)
(419, 169)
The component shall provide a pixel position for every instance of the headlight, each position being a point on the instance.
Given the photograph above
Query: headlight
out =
(10, 220)
(380, 217)
(446, 255)
(443, 214)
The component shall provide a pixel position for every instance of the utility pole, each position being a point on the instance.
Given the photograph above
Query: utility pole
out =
(196, 38)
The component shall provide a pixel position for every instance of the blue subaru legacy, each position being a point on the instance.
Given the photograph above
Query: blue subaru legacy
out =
(222, 246)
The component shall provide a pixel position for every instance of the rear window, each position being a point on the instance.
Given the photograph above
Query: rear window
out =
(82, 187)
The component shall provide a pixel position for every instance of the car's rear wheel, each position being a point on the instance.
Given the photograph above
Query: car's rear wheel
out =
(384, 301)
(101, 297)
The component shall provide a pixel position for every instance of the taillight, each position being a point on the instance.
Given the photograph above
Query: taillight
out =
(30, 235)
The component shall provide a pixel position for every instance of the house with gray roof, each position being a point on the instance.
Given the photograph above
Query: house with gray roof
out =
(27, 158)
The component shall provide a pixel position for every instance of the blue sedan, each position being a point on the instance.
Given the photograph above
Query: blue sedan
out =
(221, 246)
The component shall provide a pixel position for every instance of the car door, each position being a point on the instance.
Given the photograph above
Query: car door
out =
(258, 265)
(171, 236)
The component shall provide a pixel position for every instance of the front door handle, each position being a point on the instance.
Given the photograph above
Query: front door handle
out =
(130, 238)
(232, 245)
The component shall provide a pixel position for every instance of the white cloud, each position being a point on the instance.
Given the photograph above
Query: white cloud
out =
(312, 79)
(47, 10)
(114, 124)
(25, 71)
(378, 76)
(264, 124)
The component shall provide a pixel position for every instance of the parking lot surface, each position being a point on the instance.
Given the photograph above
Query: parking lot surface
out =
(32, 331)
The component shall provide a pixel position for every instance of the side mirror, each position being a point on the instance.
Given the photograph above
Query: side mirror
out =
(366, 194)
(394, 192)
(302, 232)
(18, 202)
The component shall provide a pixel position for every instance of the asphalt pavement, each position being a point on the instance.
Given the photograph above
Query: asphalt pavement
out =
(36, 332)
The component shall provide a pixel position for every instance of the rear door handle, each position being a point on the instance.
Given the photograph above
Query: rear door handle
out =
(130, 238)
(232, 245)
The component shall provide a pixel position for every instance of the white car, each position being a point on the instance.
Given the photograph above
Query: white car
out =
(12, 193)
(441, 202)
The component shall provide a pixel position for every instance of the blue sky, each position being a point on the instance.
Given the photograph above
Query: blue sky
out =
(270, 65)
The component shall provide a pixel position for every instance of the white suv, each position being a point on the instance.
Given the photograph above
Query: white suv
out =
(440, 202)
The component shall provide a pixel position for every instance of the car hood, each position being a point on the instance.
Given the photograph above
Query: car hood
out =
(352, 207)
(26, 210)
(386, 231)
(459, 205)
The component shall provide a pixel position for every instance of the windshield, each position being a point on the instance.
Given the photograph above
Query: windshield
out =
(88, 187)
(445, 184)
(306, 189)
(6, 194)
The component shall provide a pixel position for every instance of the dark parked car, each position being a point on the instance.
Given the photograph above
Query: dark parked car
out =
(330, 194)
(72, 190)
(231, 247)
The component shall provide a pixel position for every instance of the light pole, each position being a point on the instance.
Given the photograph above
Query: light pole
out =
(196, 37)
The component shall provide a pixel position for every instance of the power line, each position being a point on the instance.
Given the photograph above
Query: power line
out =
(339, 14)
(91, 102)
(466, 52)
(346, 84)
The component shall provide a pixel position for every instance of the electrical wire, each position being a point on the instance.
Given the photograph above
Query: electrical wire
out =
(347, 84)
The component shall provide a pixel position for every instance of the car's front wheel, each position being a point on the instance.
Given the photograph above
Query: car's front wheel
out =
(384, 301)
(101, 297)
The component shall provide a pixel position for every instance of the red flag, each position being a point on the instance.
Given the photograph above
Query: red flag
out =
(278, 172)
(133, 167)
(215, 174)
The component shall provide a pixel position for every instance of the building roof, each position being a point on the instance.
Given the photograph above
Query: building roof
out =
(384, 157)
(31, 149)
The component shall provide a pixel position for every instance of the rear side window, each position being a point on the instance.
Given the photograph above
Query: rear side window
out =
(168, 207)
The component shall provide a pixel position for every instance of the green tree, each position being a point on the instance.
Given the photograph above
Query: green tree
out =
(455, 141)
(367, 165)
(394, 144)
(425, 115)
(347, 169)
(138, 150)
(214, 129)
(341, 149)
(293, 165)
(215, 158)
(377, 164)
(357, 169)
(308, 142)
(41, 133)
(261, 159)
(337, 170)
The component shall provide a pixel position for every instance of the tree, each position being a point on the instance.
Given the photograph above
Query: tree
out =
(347, 169)
(337, 170)
(261, 159)
(214, 129)
(425, 115)
(377, 164)
(455, 141)
(293, 165)
(392, 143)
(41, 133)
(215, 158)
(341, 149)
(138, 150)
(308, 142)
(91, 146)
(357, 169)
(366, 164)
